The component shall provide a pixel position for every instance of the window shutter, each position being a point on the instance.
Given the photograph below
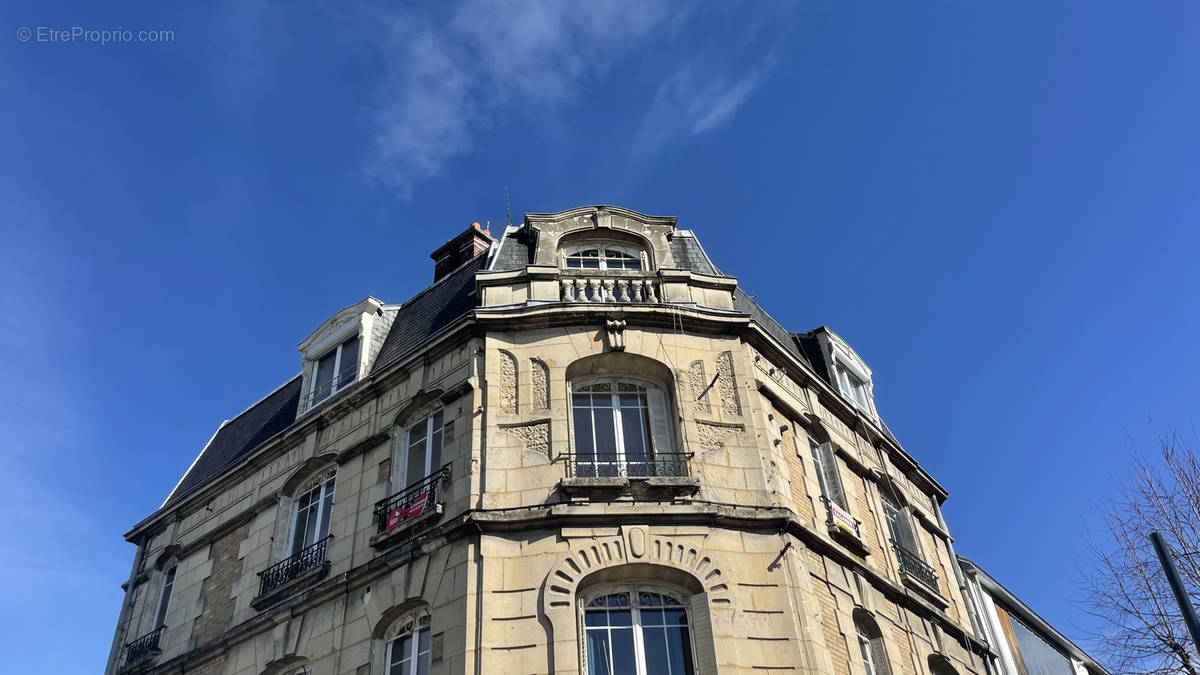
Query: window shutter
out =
(660, 421)
(832, 481)
(879, 656)
(702, 636)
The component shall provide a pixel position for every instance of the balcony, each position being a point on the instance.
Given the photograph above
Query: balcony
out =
(277, 580)
(543, 284)
(144, 647)
(918, 575)
(418, 503)
(663, 471)
(844, 527)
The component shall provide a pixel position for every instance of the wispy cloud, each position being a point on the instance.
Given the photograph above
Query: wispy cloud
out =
(452, 77)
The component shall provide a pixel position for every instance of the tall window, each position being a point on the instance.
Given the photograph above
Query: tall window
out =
(827, 473)
(408, 653)
(898, 526)
(870, 645)
(603, 258)
(311, 517)
(637, 632)
(853, 387)
(423, 453)
(164, 597)
(335, 371)
(622, 428)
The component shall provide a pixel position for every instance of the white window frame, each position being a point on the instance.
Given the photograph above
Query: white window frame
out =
(574, 251)
(618, 418)
(859, 395)
(404, 439)
(414, 627)
(639, 643)
(317, 482)
(903, 519)
(865, 648)
(819, 458)
(336, 384)
(165, 589)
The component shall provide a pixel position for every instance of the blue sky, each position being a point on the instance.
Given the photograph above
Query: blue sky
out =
(996, 206)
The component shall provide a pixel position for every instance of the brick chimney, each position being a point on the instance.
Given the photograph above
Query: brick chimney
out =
(473, 241)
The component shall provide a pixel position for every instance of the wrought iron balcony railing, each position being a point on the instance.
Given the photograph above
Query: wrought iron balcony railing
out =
(660, 464)
(412, 502)
(293, 566)
(144, 646)
(914, 566)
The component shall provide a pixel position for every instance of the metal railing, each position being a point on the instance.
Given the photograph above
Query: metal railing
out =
(912, 564)
(411, 502)
(339, 382)
(293, 566)
(660, 464)
(144, 646)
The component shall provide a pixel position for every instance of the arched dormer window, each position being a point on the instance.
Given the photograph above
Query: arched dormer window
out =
(602, 257)
(408, 643)
(310, 511)
(870, 644)
(622, 427)
(636, 630)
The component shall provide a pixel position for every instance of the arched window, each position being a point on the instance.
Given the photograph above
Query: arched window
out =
(602, 257)
(622, 427)
(310, 512)
(164, 595)
(870, 645)
(420, 449)
(637, 631)
(408, 646)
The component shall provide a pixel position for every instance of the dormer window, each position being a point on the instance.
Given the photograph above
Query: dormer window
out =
(603, 258)
(335, 371)
(853, 388)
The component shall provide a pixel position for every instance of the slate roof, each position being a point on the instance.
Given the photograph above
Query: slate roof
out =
(514, 252)
(237, 437)
(430, 311)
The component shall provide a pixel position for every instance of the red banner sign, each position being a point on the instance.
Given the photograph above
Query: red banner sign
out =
(401, 513)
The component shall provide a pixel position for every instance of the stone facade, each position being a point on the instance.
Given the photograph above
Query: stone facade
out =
(734, 525)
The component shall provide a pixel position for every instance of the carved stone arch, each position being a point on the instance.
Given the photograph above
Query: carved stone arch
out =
(636, 555)
(420, 401)
(600, 235)
(307, 470)
(288, 665)
(169, 555)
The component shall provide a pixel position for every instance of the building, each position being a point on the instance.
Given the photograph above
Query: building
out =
(582, 449)
(1024, 643)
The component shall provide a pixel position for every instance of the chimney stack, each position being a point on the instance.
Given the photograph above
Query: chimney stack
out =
(470, 243)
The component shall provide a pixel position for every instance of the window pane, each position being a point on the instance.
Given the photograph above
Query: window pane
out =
(623, 658)
(324, 380)
(400, 652)
(658, 659)
(435, 443)
(595, 618)
(584, 449)
(598, 659)
(348, 365)
(620, 617)
(679, 646)
(326, 509)
(606, 436)
(415, 465)
(423, 652)
(635, 425)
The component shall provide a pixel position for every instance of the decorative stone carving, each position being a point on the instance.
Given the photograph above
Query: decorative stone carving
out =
(541, 384)
(699, 386)
(712, 436)
(614, 332)
(727, 386)
(508, 383)
(535, 436)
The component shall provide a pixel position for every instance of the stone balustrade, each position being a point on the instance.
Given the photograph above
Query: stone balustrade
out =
(620, 289)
